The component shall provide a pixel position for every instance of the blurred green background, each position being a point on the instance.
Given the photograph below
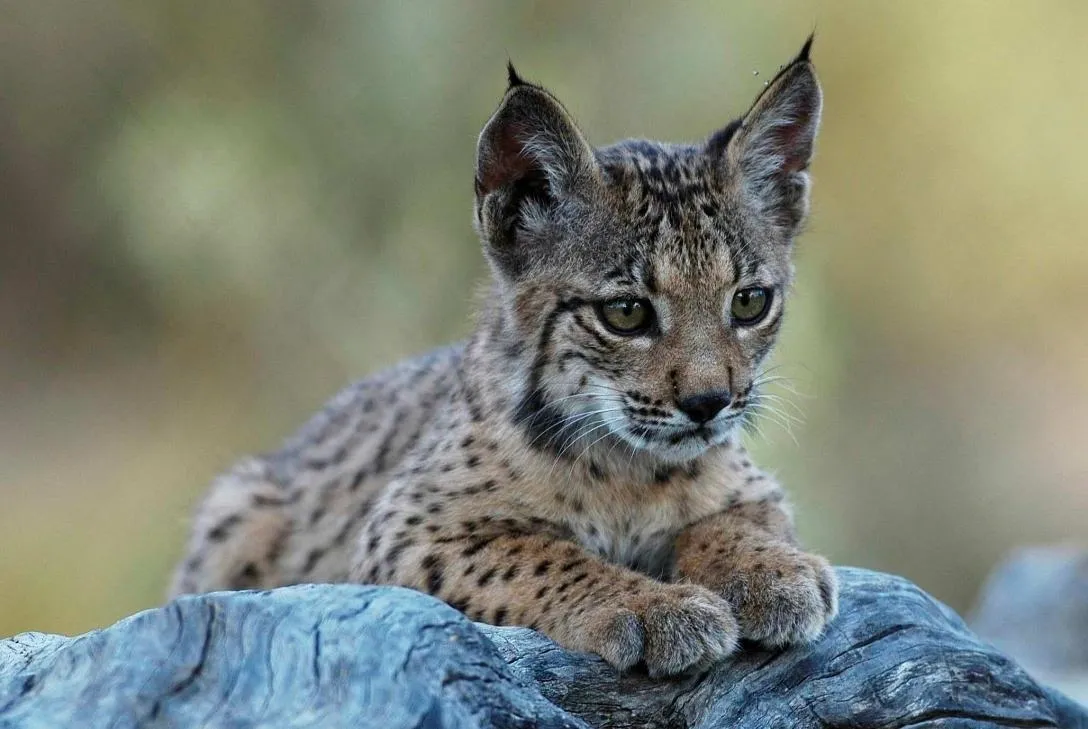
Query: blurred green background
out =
(214, 214)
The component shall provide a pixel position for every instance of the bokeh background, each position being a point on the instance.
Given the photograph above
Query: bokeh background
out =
(215, 214)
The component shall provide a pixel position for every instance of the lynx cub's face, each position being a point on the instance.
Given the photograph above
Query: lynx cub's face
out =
(645, 282)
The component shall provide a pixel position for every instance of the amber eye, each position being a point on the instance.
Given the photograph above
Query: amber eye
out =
(750, 305)
(626, 316)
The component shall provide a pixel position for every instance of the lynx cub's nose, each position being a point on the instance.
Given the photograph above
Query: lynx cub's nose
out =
(703, 407)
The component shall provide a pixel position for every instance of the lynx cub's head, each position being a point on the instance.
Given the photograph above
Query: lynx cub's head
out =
(641, 285)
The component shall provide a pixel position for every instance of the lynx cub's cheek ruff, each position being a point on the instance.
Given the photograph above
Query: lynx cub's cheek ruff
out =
(575, 465)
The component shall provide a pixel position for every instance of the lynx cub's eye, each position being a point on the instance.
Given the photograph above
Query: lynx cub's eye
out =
(750, 305)
(626, 316)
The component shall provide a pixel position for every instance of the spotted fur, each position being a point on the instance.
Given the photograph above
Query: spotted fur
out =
(545, 472)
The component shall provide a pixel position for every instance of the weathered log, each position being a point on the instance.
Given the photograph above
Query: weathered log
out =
(342, 655)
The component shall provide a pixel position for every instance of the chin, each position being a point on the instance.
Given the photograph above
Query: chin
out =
(673, 450)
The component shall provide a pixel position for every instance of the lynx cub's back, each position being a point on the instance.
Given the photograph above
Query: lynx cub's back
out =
(575, 465)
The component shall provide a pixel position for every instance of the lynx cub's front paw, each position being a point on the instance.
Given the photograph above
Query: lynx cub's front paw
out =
(671, 630)
(782, 595)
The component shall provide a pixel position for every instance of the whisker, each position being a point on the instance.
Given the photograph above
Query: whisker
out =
(608, 424)
(797, 417)
(570, 420)
(751, 426)
(773, 416)
(567, 446)
(759, 397)
(779, 383)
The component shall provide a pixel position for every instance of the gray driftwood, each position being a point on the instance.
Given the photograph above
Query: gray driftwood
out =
(341, 655)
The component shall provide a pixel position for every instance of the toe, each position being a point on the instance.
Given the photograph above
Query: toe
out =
(622, 639)
(696, 632)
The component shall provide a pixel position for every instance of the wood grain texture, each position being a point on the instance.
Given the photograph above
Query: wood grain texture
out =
(343, 655)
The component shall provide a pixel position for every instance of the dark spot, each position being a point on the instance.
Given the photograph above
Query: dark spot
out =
(342, 535)
(434, 581)
(276, 548)
(263, 501)
(542, 567)
(570, 583)
(511, 573)
(500, 616)
(475, 547)
(357, 479)
(313, 558)
(222, 530)
(395, 551)
(485, 578)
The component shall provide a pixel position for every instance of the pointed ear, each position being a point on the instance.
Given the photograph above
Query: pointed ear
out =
(530, 155)
(767, 153)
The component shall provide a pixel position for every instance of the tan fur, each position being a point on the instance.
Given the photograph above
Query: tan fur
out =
(528, 476)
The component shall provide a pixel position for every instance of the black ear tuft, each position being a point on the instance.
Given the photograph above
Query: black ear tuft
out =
(806, 49)
(769, 153)
(512, 77)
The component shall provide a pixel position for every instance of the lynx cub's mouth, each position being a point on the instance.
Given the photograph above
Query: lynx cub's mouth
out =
(621, 424)
(680, 443)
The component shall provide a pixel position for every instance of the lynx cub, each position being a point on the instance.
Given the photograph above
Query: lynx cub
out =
(575, 465)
